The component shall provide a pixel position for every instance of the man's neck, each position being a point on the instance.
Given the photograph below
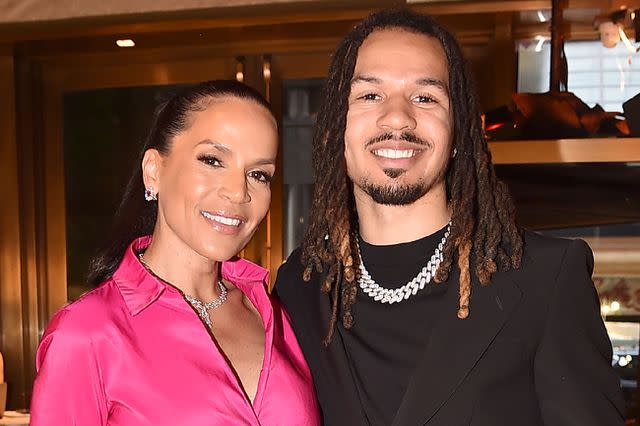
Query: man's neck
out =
(384, 225)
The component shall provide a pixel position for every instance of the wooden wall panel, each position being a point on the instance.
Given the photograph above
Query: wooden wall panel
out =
(11, 297)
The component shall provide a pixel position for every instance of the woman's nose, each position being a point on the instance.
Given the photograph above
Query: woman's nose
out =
(235, 189)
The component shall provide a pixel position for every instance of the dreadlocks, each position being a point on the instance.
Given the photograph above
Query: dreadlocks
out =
(483, 222)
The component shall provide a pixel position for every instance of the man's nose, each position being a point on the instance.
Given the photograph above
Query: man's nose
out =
(397, 114)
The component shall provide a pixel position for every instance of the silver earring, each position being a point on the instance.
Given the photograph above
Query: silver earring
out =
(150, 194)
(455, 152)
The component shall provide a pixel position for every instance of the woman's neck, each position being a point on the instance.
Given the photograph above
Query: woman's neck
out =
(180, 266)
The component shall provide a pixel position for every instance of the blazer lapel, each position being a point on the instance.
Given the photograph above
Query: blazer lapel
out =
(337, 392)
(455, 347)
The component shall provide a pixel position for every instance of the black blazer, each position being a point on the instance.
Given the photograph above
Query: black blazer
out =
(533, 351)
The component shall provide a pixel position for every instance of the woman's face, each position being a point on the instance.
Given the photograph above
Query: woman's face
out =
(214, 185)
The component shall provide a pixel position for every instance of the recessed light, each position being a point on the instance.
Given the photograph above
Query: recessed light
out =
(127, 42)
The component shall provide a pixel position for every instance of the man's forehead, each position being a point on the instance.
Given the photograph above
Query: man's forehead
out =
(398, 55)
(398, 34)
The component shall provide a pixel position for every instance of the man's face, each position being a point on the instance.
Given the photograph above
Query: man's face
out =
(399, 124)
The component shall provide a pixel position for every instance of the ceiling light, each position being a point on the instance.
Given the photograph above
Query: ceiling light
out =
(127, 42)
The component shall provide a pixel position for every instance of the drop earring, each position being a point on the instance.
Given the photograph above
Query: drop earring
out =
(150, 194)
(455, 152)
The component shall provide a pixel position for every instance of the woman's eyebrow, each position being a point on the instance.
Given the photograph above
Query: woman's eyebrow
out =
(220, 147)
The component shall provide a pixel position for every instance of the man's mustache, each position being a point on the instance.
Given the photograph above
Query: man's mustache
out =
(403, 136)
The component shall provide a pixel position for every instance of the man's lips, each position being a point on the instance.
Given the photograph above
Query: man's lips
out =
(395, 150)
(394, 154)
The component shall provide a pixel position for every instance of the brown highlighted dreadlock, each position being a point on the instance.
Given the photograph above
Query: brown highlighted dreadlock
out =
(483, 219)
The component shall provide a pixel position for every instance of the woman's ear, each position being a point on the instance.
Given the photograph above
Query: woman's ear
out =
(151, 167)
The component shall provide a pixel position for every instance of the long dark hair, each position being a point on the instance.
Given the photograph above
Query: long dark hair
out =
(135, 216)
(483, 219)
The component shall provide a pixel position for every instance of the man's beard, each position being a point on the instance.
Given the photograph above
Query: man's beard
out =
(394, 194)
(397, 194)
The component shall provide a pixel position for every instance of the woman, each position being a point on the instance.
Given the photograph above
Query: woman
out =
(176, 333)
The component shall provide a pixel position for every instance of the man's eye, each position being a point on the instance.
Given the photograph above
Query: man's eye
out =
(210, 160)
(424, 99)
(370, 97)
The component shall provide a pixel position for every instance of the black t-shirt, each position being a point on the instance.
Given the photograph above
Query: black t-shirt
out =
(386, 341)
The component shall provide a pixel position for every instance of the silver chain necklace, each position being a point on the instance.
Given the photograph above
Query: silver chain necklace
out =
(201, 307)
(396, 295)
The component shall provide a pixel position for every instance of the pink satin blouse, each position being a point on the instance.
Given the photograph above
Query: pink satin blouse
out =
(133, 352)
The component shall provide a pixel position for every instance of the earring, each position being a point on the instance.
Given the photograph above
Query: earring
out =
(455, 152)
(149, 194)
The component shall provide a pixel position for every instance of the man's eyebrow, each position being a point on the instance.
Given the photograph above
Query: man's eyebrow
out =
(427, 81)
(365, 79)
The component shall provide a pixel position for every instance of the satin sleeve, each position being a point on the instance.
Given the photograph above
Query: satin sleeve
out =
(68, 389)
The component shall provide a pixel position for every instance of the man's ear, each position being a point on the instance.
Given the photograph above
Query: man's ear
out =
(151, 167)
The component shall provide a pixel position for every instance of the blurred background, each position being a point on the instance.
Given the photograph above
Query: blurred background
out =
(557, 81)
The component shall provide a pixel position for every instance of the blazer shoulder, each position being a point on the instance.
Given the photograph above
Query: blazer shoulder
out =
(546, 260)
(289, 275)
(291, 267)
(539, 242)
(553, 250)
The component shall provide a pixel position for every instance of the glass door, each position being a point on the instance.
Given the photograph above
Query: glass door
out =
(297, 90)
(95, 119)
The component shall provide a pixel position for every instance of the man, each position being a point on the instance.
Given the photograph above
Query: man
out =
(424, 303)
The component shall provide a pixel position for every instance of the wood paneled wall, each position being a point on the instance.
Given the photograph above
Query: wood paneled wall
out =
(12, 297)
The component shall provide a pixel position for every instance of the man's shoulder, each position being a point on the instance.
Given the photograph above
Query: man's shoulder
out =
(545, 257)
(291, 269)
(289, 277)
(552, 249)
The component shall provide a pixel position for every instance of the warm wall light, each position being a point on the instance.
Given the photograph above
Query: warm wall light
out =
(266, 69)
(541, 16)
(240, 68)
(127, 42)
(630, 47)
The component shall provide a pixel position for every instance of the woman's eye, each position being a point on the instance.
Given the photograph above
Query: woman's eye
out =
(261, 176)
(210, 160)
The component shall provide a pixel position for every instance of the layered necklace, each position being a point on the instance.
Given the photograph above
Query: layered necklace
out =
(200, 307)
(396, 295)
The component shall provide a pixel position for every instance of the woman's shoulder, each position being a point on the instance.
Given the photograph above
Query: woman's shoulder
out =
(88, 314)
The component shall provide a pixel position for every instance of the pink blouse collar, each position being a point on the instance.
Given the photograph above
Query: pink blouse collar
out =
(139, 288)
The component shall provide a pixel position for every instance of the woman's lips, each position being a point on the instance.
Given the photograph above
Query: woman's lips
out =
(224, 223)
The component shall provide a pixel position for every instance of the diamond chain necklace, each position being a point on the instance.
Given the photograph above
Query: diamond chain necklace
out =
(396, 295)
(202, 308)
